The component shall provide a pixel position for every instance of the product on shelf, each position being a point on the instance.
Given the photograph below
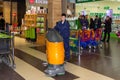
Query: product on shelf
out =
(42, 25)
(38, 19)
(42, 31)
(38, 25)
(42, 19)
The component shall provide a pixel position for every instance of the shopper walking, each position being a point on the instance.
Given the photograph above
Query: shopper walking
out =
(92, 23)
(107, 30)
(97, 22)
(63, 28)
(84, 22)
(2, 22)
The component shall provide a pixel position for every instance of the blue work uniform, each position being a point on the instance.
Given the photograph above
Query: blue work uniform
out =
(64, 31)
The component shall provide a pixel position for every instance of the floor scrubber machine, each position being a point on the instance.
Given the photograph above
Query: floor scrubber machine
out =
(55, 53)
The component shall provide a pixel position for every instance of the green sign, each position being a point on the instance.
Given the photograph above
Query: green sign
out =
(83, 1)
(106, 7)
(118, 8)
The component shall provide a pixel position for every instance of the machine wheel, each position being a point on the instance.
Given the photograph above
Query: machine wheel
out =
(45, 64)
(6, 59)
(60, 74)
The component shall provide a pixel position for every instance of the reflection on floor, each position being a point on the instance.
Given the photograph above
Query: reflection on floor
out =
(40, 48)
(104, 61)
(6, 73)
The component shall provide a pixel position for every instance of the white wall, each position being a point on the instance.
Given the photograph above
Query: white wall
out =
(97, 7)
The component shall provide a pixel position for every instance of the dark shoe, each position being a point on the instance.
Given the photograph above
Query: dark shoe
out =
(103, 40)
(67, 59)
(107, 41)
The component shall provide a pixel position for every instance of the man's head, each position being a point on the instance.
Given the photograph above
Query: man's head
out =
(63, 16)
(96, 16)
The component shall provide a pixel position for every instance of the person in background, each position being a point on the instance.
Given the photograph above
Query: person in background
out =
(92, 23)
(107, 29)
(80, 18)
(2, 22)
(87, 21)
(84, 22)
(97, 22)
(79, 22)
(63, 28)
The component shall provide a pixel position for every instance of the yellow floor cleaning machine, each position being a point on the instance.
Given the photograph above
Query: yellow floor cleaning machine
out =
(55, 53)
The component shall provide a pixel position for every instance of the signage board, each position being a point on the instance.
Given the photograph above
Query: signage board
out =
(118, 8)
(83, 1)
(106, 7)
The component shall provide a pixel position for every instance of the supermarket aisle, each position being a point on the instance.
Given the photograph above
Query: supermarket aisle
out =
(29, 66)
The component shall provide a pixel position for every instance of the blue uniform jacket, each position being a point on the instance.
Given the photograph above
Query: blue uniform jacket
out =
(63, 29)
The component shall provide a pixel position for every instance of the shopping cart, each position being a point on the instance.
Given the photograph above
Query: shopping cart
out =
(96, 38)
(74, 41)
(7, 48)
(84, 39)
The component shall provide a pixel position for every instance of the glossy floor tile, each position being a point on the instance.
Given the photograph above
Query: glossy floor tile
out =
(104, 60)
(78, 71)
(29, 64)
(37, 63)
(29, 72)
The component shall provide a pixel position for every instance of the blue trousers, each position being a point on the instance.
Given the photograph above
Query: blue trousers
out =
(67, 49)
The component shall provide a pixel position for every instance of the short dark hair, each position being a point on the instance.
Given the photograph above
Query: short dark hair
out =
(96, 16)
(63, 14)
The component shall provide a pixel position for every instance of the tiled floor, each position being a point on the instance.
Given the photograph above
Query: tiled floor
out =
(6, 73)
(104, 60)
(100, 65)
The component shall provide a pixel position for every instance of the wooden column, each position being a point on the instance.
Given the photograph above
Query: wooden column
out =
(54, 12)
(1, 6)
(6, 10)
(64, 6)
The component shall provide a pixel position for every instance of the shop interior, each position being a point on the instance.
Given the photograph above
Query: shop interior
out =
(30, 22)
(102, 8)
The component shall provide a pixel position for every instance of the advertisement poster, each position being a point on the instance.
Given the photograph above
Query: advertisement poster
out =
(109, 13)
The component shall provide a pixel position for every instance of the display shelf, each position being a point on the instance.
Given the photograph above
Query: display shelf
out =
(38, 22)
(41, 23)
(35, 20)
(30, 20)
(41, 28)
